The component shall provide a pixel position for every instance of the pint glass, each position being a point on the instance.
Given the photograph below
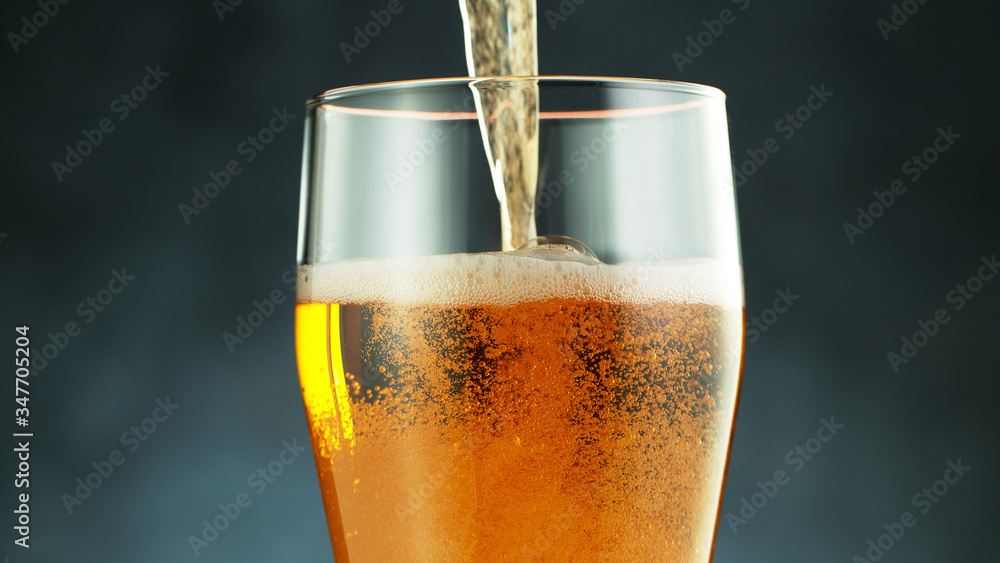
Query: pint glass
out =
(571, 400)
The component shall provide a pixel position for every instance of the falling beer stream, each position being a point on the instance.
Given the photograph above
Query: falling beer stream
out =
(501, 40)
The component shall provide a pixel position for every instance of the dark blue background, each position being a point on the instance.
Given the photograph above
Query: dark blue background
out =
(162, 336)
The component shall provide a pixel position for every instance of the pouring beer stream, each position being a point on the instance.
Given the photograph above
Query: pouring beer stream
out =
(501, 40)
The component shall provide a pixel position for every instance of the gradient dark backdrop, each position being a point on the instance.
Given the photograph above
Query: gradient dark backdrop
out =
(162, 336)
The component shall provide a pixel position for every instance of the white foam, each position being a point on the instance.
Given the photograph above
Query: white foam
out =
(501, 279)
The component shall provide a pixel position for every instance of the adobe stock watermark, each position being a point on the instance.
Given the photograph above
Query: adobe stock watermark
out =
(22, 480)
(421, 494)
(796, 459)
(434, 482)
(260, 311)
(249, 149)
(224, 7)
(328, 248)
(563, 11)
(659, 259)
(132, 439)
(958, 298)
(258, 481)
(407, 164)
(898, 17)
(757, 325)
(30, 27)
(122, 108)
(787, 127)
(556, 527)
(88, 309)
(914, 168)
(365, 33)
(581, 159)
(697, 43)
(924, 500)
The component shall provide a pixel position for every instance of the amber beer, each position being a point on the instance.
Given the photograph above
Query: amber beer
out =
(505, 408)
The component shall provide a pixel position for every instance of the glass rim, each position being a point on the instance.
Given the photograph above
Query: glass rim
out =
(670, 86)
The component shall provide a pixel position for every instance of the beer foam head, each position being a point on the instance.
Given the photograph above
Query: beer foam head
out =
(502, 279)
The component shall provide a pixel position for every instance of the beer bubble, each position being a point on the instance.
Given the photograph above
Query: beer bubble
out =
(558, 248)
